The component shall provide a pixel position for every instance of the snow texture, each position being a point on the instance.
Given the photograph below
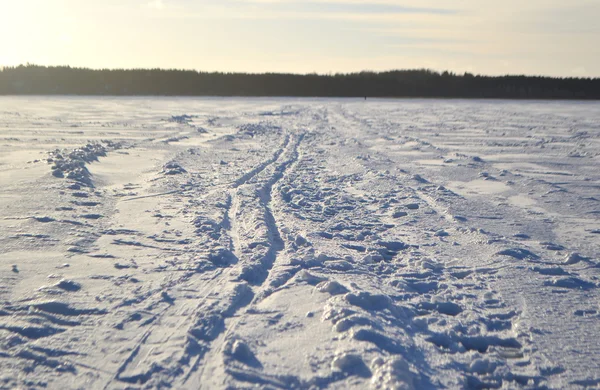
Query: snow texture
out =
(214, 243)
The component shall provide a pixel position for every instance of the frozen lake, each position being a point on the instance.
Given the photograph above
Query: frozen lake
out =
(297, 243)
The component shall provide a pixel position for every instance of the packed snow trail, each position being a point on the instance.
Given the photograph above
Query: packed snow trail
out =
(298, 243)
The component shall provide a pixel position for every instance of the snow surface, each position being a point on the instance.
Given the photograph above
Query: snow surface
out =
(298, 243)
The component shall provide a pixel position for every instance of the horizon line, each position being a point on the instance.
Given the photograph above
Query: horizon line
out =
(320, 74)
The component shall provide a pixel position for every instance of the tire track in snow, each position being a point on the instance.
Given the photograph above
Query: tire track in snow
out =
(254, 229)
(263, 196)
(256, 171)
(266, 197)
(235, 220)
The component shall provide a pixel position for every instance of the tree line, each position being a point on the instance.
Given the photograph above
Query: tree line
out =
(65, 80)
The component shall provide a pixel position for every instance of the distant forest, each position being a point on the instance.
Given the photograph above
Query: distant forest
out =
(65, 80)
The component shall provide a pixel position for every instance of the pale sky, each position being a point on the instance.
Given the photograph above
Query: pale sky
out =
(545, 37)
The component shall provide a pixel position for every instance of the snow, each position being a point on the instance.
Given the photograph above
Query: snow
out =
(297, 243)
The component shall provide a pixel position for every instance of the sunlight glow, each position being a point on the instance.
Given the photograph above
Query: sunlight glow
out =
(535, 37)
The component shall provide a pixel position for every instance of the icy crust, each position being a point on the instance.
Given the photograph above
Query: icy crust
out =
(308, 244)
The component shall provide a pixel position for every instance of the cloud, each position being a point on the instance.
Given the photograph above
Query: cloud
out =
(346, 6)
(156, 4)
(514, 36)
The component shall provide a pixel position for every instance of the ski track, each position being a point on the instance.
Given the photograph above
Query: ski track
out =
(301, 244)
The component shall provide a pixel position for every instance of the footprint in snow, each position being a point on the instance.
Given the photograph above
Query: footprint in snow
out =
(519, 254)
(572, 283)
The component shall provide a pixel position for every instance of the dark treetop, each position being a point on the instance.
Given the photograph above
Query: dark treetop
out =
(64, 80)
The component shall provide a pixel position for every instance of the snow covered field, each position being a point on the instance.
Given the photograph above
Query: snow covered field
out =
(297, 243)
